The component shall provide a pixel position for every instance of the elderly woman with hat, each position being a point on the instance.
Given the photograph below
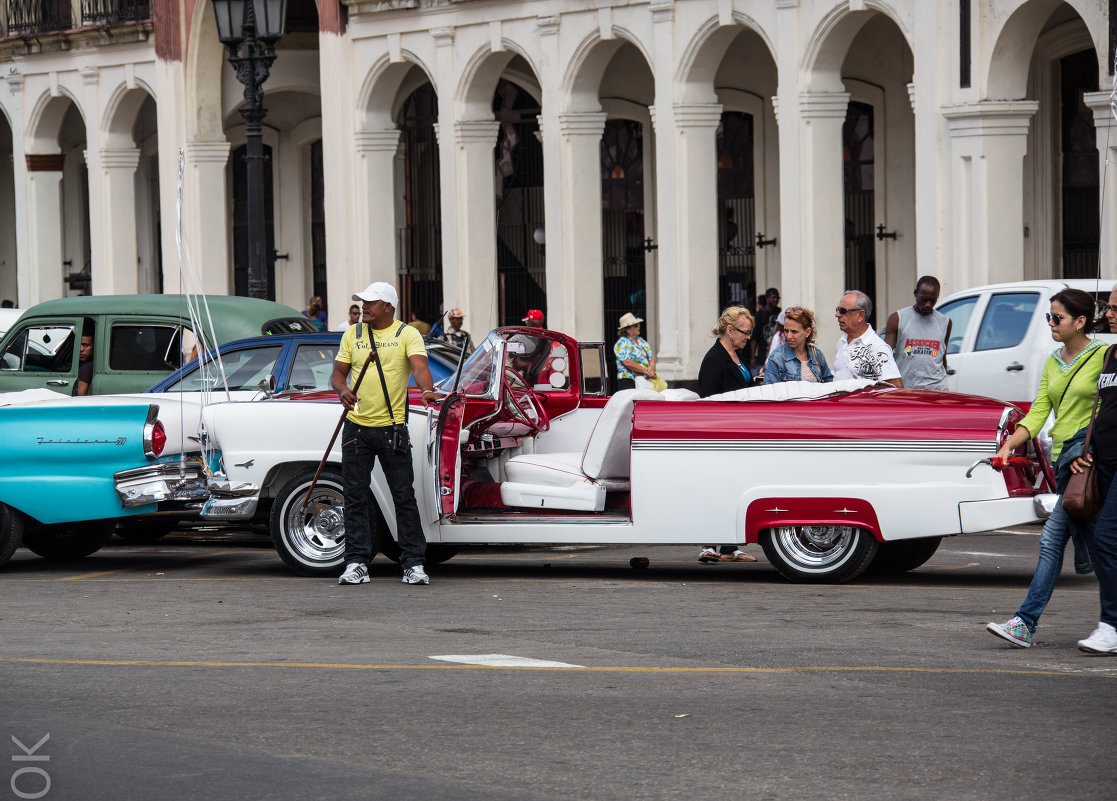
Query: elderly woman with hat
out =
(634, 354)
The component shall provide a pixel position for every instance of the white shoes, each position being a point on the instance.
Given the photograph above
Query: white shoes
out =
(355, 573)
(1102, 641)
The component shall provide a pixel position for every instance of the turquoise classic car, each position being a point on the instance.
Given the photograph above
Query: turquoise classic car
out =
(70, 471)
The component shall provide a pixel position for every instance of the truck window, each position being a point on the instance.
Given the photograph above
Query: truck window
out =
(1006, 320)
(959, 311)
(144, 347)
(41, 349)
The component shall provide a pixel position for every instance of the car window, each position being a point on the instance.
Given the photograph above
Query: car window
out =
(288, 325)
(593, 377)
(40, 349)
(244, 369)
(312, 367)
(1006, 320)
(144, 347)
(959, 311)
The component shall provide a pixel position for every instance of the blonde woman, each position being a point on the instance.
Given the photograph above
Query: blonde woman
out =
(724, 369)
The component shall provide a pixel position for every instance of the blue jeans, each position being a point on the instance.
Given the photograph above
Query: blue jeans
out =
(1105, 543)
(1052, 543)
(360, 448)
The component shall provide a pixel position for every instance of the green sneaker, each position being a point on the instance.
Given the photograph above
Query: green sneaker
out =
(1015, 631)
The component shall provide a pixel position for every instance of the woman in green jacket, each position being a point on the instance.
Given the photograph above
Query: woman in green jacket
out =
(1067, 387)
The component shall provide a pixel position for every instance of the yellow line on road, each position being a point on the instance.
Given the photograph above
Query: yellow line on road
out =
(85, 576)
(600, 669)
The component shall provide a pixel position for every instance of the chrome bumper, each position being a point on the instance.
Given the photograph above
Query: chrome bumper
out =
(1044, 504)
(230, 502)
(168, 481)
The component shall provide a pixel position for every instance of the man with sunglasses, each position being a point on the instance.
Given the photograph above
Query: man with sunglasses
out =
(1111, 311)
(918, 335)
(861, 353)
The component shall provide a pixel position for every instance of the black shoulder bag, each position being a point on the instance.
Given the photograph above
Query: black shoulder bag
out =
(398, 439)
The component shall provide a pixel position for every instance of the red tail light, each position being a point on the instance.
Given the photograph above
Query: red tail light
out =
(158, 438)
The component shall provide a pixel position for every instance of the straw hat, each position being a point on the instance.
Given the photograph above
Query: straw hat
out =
(627, 320)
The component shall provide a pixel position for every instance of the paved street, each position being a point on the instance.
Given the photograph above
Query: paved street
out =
(201, 668)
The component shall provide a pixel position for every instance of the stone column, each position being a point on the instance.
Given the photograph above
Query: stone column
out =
(13, 251)
(206, 221)
(550, 74)
(119, 271)
(376, 251)
(444, 83)
(987, 141)
(822, 204)
(696, 253)
(583, 294)
(475, 201)
(785, 105)
(1105, 125)
(44, 228)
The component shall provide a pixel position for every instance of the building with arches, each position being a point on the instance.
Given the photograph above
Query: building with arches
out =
(665, 157)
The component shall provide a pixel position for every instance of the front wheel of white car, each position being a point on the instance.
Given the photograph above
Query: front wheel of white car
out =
(310, 539)
(819, 554)
(11, 531)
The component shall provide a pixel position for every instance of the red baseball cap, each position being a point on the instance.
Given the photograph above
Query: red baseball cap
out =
(533, 315)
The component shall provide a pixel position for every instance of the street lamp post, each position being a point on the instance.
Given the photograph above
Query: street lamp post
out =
(255, 26)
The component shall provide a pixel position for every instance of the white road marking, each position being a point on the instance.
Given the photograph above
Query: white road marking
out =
(983, 553)
(503, 660)
(1031, 532)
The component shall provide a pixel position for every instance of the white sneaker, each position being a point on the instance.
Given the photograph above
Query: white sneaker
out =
(1102, 641)
(416, 575)
(355, 573)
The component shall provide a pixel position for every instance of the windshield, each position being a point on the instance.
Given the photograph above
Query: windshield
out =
(523, 355)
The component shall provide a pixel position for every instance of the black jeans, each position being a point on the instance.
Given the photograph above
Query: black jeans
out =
(360, 448)
(1105, 542)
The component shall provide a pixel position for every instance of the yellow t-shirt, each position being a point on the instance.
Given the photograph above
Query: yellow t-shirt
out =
(394, 353)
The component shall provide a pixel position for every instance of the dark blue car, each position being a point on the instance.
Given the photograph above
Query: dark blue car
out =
(298, 362)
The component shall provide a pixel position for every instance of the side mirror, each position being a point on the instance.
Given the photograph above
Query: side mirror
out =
(267, 385)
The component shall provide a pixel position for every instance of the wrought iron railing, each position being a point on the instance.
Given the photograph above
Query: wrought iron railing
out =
(113, 12)
(37, 16)
(29, 17)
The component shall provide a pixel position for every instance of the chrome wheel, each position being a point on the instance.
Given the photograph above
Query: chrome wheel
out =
(819, 553)
(310, 539)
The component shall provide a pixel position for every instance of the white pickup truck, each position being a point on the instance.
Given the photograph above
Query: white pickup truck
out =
(1000, 338)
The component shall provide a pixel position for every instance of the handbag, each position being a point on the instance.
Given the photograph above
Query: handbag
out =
(1081, 499)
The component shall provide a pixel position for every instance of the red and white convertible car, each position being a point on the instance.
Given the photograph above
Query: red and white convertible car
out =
(525, 447)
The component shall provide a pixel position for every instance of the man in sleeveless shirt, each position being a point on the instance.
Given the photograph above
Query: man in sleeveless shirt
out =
(918, 336)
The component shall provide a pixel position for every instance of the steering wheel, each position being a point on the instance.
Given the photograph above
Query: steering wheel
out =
(525, 406)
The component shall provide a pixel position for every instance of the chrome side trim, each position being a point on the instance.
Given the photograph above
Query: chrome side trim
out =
(519, 520)
(149, 430)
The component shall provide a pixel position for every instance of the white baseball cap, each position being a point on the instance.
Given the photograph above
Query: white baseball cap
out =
(379, 291)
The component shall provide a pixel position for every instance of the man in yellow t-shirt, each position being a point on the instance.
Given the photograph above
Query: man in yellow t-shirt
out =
(374, 430)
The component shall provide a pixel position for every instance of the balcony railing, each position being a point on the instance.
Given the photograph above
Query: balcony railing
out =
(114, 12)
(38, 16)
(29, 17)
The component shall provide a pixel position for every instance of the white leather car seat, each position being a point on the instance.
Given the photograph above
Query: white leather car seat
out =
(578, 481)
